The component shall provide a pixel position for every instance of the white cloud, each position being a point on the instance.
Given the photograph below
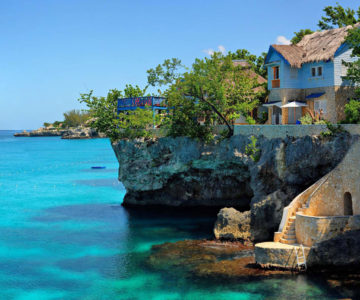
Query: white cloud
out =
(282, 40)
(221, 49)
(211, 51)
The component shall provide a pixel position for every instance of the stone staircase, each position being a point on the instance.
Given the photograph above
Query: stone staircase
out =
(289, 236)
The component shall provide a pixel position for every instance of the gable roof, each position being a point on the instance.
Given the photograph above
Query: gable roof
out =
(318, 46)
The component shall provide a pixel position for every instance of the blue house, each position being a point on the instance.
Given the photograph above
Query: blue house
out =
(308, 77)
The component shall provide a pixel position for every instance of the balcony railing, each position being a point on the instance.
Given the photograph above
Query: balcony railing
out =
(275, 83)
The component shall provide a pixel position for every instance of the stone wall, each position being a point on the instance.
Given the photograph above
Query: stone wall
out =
(329, 198)
(314, 229)
(282, 131)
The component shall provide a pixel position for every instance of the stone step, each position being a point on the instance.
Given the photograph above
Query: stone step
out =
(289, 236)
(291, 220)
(290, 226)
(289, 242)
(291, 232)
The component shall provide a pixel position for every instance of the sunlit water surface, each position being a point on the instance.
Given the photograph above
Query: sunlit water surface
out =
(64, 235)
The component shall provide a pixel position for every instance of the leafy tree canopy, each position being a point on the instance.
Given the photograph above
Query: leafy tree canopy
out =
(299, 35)
(353, 72)
(103, 110)
(337, 16)
(75, 117)
(257, 62)
(352, 112)
(165, 74)
(215, 90)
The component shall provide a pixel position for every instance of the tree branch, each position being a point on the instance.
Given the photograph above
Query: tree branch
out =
(231, 130)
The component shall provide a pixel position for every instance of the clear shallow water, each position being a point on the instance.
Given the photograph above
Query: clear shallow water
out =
(64, 235)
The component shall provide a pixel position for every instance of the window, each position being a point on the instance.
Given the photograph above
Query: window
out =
(276, 72)
(316, 71)
(313, 72)
(319, 69)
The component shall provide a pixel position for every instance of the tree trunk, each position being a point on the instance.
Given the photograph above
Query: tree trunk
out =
(230, 129)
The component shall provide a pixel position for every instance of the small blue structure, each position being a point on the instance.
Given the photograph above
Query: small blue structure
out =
(155, 103)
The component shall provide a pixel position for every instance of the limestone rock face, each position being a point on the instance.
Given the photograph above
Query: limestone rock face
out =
(182, 172)
(266, 215)
(341, 251)
(232, 224)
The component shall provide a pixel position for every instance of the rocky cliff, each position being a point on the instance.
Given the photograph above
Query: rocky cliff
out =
(182, 172)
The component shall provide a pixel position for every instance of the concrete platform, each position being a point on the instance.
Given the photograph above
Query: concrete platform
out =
(275, 254)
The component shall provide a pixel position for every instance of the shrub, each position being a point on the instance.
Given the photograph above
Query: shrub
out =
(306, 119)
(250, 120)
(252, 150)
(332, 130)
(75, 117)
(352, 112)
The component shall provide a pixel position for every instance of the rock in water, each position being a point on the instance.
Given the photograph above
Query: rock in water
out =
(232, 224)
(341, 251)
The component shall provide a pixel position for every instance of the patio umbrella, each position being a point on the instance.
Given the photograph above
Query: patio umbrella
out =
(294, 104)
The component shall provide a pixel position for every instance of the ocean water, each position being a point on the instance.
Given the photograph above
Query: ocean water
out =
(65, 235)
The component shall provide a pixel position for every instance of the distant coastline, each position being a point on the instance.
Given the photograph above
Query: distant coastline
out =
(79, 132)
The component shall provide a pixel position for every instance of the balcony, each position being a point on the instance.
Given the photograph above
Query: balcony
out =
(275, 84)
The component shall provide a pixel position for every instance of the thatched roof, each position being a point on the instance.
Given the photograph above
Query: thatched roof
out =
(251, 73)
(318, 46)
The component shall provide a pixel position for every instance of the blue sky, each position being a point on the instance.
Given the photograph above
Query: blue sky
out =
(51, 50)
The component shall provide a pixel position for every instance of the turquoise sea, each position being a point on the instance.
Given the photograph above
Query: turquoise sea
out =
(65, 235)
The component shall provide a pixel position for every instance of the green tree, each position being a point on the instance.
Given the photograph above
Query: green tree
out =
(299, 35)
(75, 117)
(215, 90)
(103, 110)
(134, 91)
(256, 62)
(337, 16)
(165, 74)
(352, 112)
(353, 72)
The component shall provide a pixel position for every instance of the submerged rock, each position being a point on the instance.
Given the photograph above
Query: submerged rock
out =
(232, 224)
(208, 259)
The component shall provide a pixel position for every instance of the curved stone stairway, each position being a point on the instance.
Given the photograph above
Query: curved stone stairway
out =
(289, 236)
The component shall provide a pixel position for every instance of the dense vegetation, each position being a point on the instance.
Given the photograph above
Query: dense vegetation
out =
(72, 118)
(213, 91)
